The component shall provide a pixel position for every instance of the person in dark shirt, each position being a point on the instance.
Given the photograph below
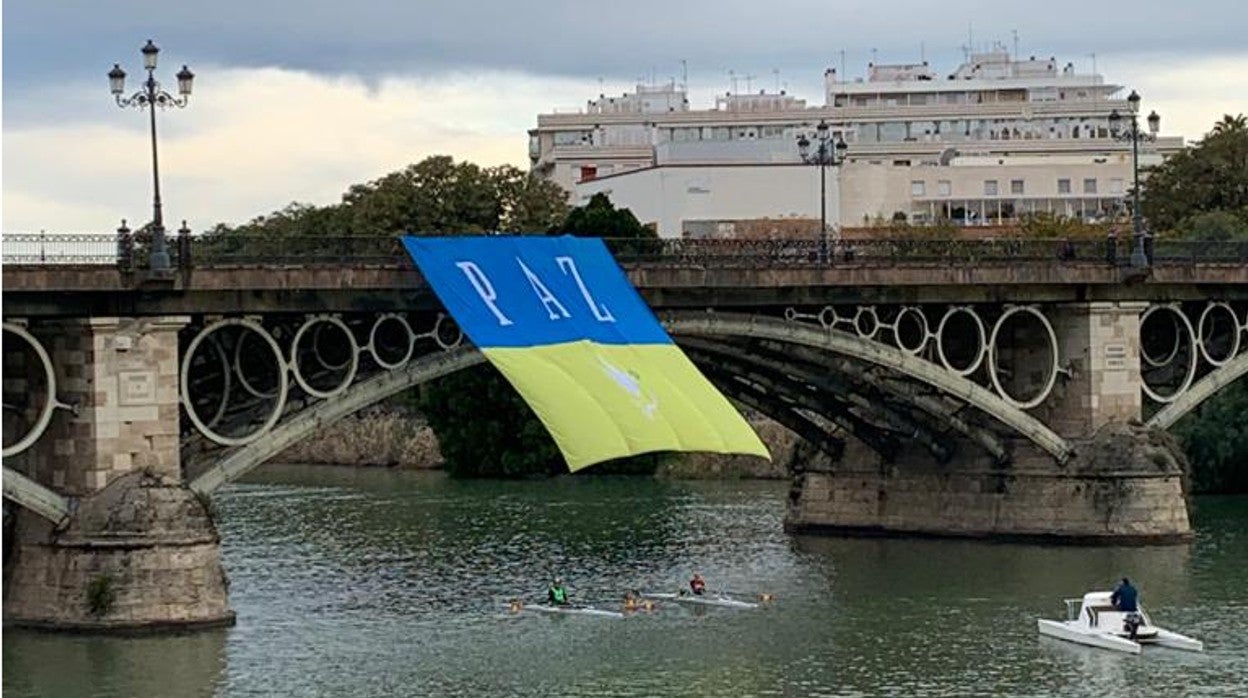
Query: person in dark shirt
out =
(1125, 597)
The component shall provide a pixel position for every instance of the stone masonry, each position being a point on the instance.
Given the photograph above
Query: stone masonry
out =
(1125, 485)
(140, 550)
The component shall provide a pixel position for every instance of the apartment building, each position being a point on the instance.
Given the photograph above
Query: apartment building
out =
(996, 138)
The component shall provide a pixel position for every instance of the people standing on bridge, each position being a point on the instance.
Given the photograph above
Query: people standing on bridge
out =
(557, 594)
(1067, 251)
(697, 585)
(1125, 597)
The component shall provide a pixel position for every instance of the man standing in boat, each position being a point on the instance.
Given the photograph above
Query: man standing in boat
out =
(557, 594)
(697, 585)
(1125, 597)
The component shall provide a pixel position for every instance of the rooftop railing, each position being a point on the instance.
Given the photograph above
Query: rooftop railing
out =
(129, 252)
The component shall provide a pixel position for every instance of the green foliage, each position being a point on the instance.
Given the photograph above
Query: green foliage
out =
(1211, 175)
(938, 230)
(435, 195)
(100, 595)
(600, 218)
(1215, 438)
(1044, 225)
(1213, 225)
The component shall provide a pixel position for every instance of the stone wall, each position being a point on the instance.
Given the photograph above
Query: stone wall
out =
(1126, 485)
(122, 377)
(142, 553)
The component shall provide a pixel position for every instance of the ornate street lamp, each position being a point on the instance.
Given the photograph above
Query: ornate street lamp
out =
(1139, 257)
(150, 97)
(827, 153)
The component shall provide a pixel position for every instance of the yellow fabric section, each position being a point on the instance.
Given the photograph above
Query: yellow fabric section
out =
(604, 401)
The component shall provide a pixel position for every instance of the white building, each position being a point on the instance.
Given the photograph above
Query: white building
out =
(995, 139)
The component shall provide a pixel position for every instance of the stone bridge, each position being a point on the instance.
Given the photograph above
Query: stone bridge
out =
(943, 387)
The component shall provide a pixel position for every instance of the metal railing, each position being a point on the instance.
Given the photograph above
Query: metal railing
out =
(129, 251)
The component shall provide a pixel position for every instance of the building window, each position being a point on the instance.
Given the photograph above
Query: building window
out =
(1063, 186)
(944, 187)
(1089, 185)
(1115, 187)
(918, 188)
(1016, 186)
(588, 172)
(990, 187)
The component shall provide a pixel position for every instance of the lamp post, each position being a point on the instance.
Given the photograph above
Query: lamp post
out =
(826, 153)
(149, 97)
(1139, 257)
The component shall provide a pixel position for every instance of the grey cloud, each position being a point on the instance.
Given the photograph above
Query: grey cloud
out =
(590, 39)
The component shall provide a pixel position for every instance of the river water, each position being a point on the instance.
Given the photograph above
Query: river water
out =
(355, 582)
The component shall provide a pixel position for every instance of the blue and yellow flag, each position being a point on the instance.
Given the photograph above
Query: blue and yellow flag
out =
(561, 321)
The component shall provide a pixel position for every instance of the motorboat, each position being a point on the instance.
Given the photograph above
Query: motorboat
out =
(1094, 621)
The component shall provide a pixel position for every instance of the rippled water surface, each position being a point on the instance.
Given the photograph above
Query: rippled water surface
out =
(374, 583)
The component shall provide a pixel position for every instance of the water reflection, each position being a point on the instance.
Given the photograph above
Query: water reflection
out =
(46, 664)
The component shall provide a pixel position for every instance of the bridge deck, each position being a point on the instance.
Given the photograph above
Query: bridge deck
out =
(102, 290)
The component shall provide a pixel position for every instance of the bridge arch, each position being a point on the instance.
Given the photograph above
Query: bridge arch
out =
(1200, 391)
(357, 397)
(845, 344)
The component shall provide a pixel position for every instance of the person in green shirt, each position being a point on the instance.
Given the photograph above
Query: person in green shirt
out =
(557, 594)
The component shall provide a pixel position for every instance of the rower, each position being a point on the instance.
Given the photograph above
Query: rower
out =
(557, 594)
(697, 585)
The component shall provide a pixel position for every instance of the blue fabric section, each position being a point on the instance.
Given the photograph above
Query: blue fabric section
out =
(521, 291)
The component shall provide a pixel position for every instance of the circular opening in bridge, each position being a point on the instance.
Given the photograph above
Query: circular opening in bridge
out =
(828, 317)
(1160, 344)
(391, 341)
(960, 340)
(29, 390)
(446, 332)
(233, 381)
(1022, 357)
(1166, 374)
(910, 329)
(866, 322)
(254, 371)
(324, 356)
(211, 378)
(1219, 333)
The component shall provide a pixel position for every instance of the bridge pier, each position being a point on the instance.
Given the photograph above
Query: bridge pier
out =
(139, 550)
(1125, 483)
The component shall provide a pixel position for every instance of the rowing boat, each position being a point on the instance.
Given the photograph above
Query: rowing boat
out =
(574, 610)
(721, 601)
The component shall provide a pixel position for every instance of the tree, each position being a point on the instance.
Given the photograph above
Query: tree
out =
(1211, 175)
(1202, 194)
(1215, 439)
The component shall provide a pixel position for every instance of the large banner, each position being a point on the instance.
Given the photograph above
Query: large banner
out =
(561, 321)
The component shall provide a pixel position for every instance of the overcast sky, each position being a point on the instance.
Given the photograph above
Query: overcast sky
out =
(296, 101)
